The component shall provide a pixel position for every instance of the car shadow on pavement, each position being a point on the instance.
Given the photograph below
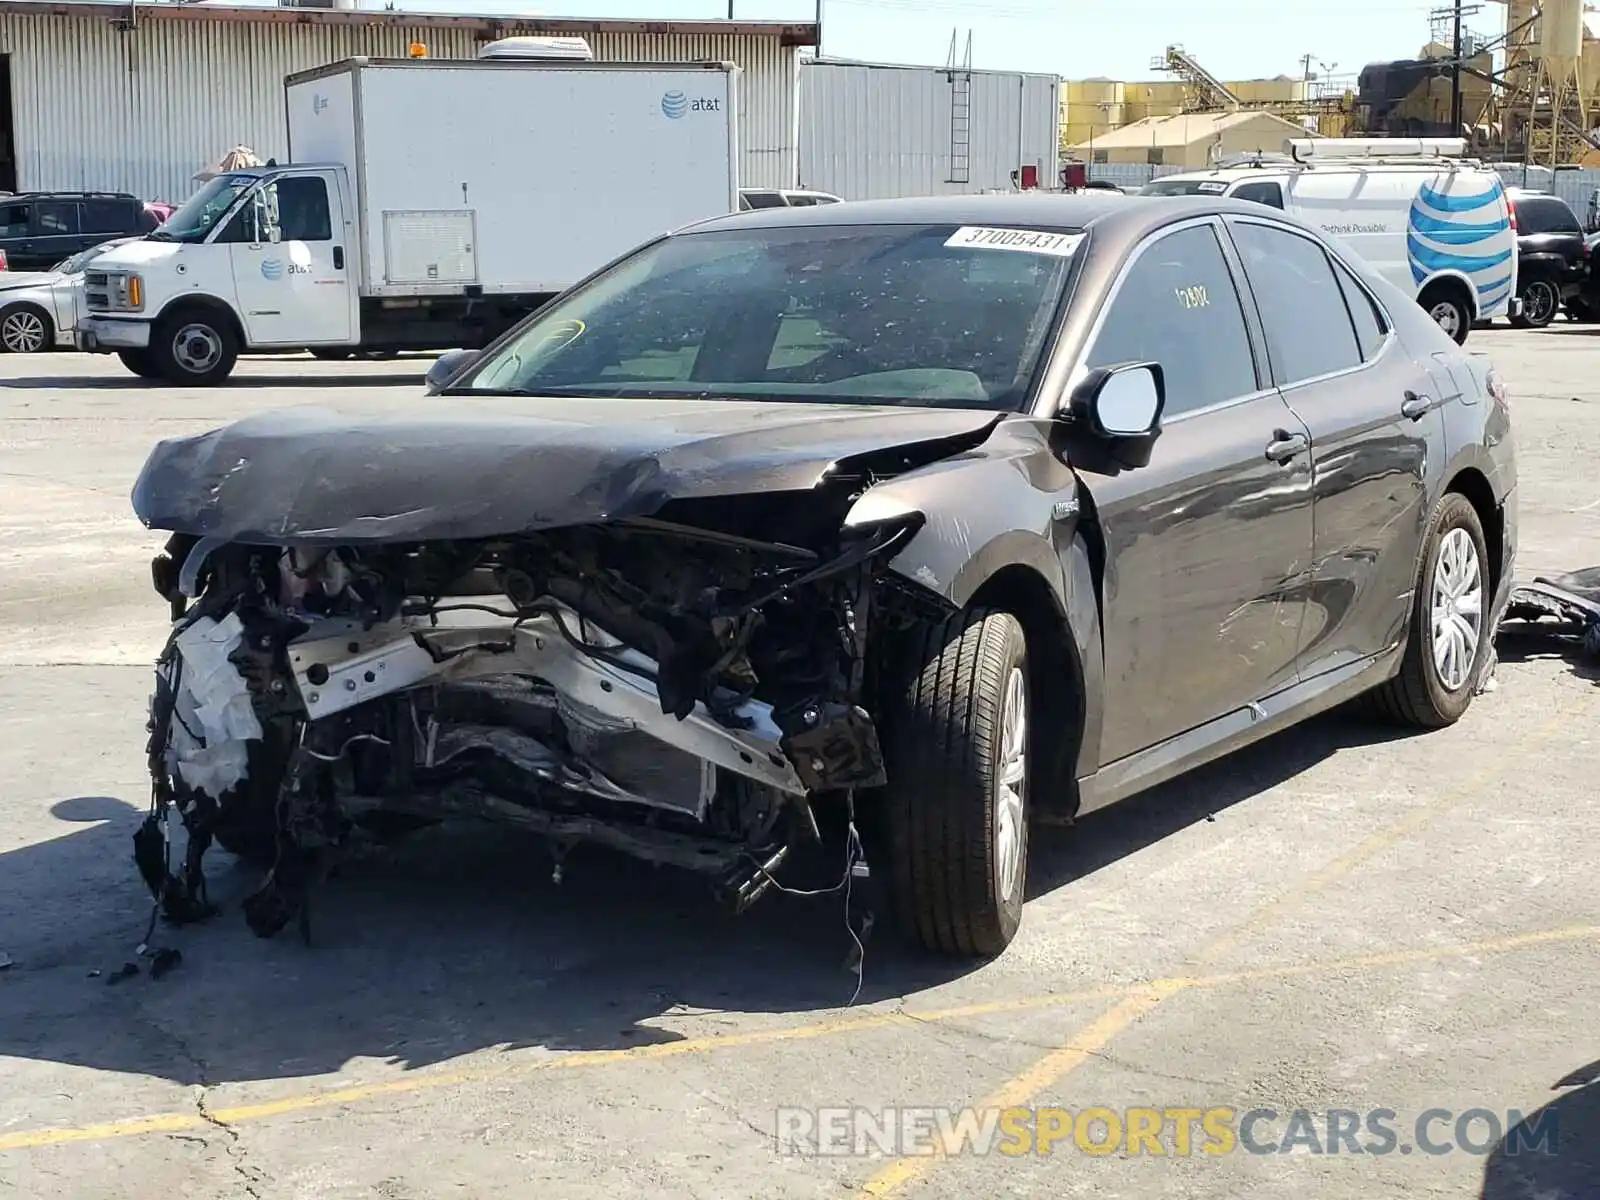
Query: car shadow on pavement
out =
(1062, 855)
(299, 379)
(1534, 645)
(458, 940)
(1555, 1152)
(455, 941)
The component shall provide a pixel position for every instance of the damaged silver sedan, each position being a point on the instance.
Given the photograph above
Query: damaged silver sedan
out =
(912, 520)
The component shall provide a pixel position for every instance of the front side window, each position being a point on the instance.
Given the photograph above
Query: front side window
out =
(302, 206)
(1302, 306)
(1178, 306)
(912, 314)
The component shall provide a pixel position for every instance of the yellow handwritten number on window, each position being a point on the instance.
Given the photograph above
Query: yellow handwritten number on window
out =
(1193, 296)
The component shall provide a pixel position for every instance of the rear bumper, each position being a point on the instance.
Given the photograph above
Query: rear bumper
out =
(102, 335)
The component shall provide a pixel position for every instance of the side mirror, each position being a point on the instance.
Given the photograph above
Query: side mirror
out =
(1120, 402)
(446, 367)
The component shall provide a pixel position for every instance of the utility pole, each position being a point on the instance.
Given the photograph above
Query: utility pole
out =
(1455, 70)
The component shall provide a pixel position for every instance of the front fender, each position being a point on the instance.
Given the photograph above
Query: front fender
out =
(1011, 503)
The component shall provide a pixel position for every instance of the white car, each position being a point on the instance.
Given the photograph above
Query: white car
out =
(38, 309)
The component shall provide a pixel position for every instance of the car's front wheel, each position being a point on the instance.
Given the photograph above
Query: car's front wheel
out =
(1449, 633)
(957, 747)
(25, 329)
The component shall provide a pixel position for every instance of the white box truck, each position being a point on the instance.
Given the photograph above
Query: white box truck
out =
(430, 204)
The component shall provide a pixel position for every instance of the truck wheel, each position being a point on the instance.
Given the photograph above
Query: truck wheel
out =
(140, 363)
(1540, 302)
(194, 346)
(331, 354)
(955, 819)
(1449, 633)
(1448, 306)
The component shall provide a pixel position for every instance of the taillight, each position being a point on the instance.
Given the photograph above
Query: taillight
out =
(1511, 215)
(5, 264)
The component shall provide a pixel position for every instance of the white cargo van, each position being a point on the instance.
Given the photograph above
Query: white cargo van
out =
(1435, 224)
(430, 204)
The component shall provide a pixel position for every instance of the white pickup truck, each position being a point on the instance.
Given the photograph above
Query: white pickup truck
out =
(431, 205)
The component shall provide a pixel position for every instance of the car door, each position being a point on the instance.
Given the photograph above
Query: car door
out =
(1373, 413)
(1206, 544)
(289, 265)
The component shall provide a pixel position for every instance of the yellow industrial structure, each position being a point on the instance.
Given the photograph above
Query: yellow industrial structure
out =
(1549, 105)
(1188, 139)
(1119, 117)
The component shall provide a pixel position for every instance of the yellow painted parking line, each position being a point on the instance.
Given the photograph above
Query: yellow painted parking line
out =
(1058, 1064)
(1133, 1001)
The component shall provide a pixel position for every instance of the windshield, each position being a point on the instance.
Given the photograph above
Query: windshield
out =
(922, 315)
(199, 214)
(1184, 187)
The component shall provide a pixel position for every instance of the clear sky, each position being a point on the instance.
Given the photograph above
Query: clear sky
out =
(1073, 38)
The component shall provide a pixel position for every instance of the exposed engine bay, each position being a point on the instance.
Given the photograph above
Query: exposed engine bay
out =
(669, 686)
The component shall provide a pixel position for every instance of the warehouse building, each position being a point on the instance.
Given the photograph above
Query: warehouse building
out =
(872, 131)
(139, 97)
(1191, 140)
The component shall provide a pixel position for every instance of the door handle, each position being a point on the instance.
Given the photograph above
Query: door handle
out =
(1285, 445)
(338, 258)
(1415, 407)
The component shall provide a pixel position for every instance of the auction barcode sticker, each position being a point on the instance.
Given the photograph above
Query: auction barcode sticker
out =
(1029, 241)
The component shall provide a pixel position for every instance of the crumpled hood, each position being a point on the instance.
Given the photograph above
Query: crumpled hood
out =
(459, 467)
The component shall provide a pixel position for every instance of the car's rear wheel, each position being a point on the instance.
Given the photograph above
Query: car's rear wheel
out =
(1541, 300)
(1448, 635)
(955, 821)
(25, 329)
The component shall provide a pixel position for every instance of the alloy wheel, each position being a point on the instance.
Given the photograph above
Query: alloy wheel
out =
(1010, 833)
(1457, 609)
(22, 332)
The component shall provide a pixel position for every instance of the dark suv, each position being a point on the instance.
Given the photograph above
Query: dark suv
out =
(1551, 257)
(41, 228)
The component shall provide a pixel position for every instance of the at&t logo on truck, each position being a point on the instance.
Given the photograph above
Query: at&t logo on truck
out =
(675, 104)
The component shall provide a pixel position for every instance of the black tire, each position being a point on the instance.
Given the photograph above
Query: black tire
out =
(1418, 696)
(140, 363)
(1541, 301)
(174, 347)
(1437, 299)
(940, 827)
(332, 354)
(29, 321)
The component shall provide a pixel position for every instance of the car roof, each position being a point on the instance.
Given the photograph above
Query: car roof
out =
(1108, 213)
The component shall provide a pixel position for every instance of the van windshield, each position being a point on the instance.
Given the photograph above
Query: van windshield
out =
(1184, 187)
(198, 215)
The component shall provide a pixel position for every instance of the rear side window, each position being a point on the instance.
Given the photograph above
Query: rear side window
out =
(57, 216)
(108, 216)
(765, 200)
(1270, 194)
(1545, 214)
(1308, 327)
(1178, 306)
(1371, 328)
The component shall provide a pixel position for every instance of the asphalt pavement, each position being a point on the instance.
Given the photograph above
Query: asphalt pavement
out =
(1389, 944)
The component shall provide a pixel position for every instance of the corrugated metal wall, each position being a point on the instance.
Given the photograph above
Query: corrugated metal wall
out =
(875, 132)
(142, 111)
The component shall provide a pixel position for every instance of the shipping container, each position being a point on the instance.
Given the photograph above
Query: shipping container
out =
(872, 131)
(139, 97)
